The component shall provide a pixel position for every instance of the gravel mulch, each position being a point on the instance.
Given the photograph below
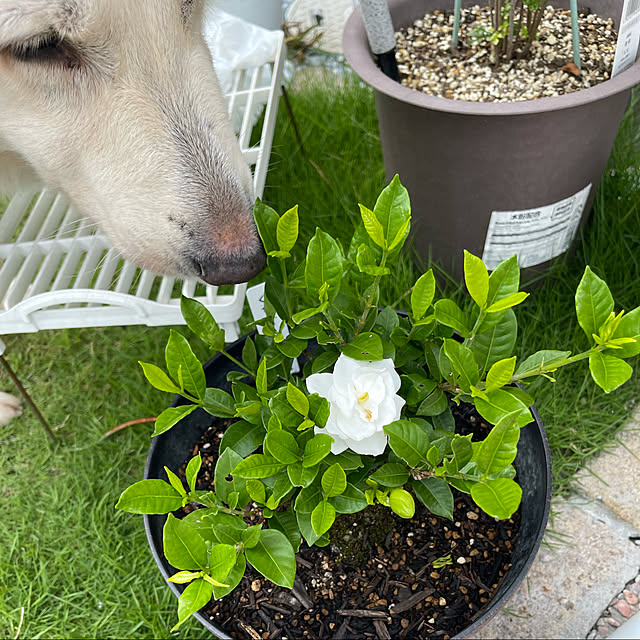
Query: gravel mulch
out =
(622, 607)
(426, 63)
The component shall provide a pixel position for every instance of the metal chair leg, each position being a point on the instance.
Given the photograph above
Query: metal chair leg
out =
(25, 394)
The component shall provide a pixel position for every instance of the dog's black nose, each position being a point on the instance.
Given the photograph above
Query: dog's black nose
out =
(219, 270)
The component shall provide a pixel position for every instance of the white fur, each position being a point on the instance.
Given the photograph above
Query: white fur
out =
(128, 119)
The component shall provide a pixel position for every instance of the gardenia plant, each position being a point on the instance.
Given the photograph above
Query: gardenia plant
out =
(368, 417)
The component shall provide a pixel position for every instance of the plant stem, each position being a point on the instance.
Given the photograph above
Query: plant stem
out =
(237, 362)
(575, 33)
(374, 288)
(556, 365)
(285, 281)
(456, 24)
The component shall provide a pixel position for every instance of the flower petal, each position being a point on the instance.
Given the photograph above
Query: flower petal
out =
(320, 383)
(373, 446)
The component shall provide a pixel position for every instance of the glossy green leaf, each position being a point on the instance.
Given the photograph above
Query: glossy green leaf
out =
(219, 403)
(448, 313)
(285, 521)
(183, 547)
(500, 403)
(393, 209)
(324, 361)
(308, 498)
(629, 327)
(243, 437)
(499, 498)
(170, 417)
(365, 346)
(402, 503)
(305, 528)
(274, 558)
(297, 399)
(256, 491)
(435, 494)
(322, 517)
(201, 322)
(351, 501)
(192, 470)
(258, 466)
(372, 226)
(287, 230)
(233, 579)
(391, 474)
(179, 355)
(608, 372)
(222, 557)
(594, 302)
(463, 362)
(334, 481)
(434, 404)
(508, 302)
(251, 536)
(158, 378)
(267, 222)
(500, 373)
(422, 294)
(317, 449)
(408, 441)
(151, 497)
(225, 467)
(497, 343)
(498, 450)
(504, 280)
(281, 446)
(540, 360)
(324, 264)
(302, 476)
(192, 599)
(476, 278)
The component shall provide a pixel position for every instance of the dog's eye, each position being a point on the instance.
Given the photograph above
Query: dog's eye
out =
(49, 48)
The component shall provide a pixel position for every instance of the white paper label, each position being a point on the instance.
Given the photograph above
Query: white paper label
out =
(628, 37)
(535, 235)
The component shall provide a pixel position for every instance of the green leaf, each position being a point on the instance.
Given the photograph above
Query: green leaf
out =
(319, 409)
(192, 470)
(476, 278)
(225, 466)
(251, 536)
(170, 417)
(500, 403)
(324, 361)
(504, 280)
(540, 360)
(434, 404)
(304, 525)
(192, 599)
(594, 303)
(334, 482)
(158, 378)
(233, 579)
(201, 322)
(267, 222)
(422, 294)
(463, 363)
(365, 346)
(183, 547)
(258, 466)
(219, 403)
(302, 476)
(285, 521)
(499, 448)
(243, 437)
(297, 399)
(287, 230)
(184, 577)
(372, 226)
(402, 503)
(256, 491)
(508, 302)
(435, 494)
(151, 497)
(324, 264)
(408, 441)
(497, 343)
(393, 209)
(221, 560)
(366, 262)
(500, 373)
(499, 498)
(400, 235)
(351, 501)
(608, 372)
(629, 327)
(249, 354)
(391, 474)
(322, 517)
(308, 498)
(261, 377)
(179, 356)
(292, 347)
(318, 448)
(274, 558)
(462, 449)
(282, 446)
(448, 313)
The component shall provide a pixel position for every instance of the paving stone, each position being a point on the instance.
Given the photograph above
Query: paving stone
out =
(605, 481)
(570, 584)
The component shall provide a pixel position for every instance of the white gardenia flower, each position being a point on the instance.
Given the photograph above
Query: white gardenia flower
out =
(363, 401)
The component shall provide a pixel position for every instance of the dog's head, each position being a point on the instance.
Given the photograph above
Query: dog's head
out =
(116, 103)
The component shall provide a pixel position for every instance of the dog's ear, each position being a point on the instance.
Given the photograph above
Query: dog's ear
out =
(26, 20)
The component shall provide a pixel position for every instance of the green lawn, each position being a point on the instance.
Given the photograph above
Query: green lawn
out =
(78, 568)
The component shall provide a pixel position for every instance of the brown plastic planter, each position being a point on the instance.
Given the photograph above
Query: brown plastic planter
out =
(462, 160)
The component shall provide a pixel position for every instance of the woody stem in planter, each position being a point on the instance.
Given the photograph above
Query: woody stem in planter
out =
(368, 420)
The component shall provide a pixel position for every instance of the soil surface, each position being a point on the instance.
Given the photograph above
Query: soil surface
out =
(418, 578)
(426, 62)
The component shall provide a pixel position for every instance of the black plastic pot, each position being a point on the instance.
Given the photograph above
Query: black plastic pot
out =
(462, 160)
(533, 465)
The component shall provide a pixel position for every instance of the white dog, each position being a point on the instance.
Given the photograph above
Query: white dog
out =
(116, 103)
